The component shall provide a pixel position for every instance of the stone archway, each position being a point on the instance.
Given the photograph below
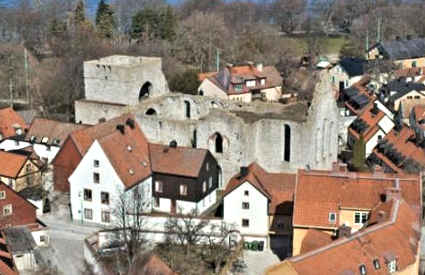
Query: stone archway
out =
(151, 112)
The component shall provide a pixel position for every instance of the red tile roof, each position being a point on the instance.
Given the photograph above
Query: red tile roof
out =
(84, 138)
(128, 153)
(320, 192)
(150, 264)
(182, 161)
(277, 187)
(11, 164)
(371, 119)
(54, 130)
(395, 238)
(7, 265)
(9, 122)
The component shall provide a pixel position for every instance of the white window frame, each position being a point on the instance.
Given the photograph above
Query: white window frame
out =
(250, 83)
(392, 266)
(362, 214)
(243, 224)
(88, 210)
(210, 182)
(159, 186)
(9, 208)
(330, 215)
(103, 215)
(2, 195)
(96, 163)
(204, 186)
(263, 82)
(183, 189)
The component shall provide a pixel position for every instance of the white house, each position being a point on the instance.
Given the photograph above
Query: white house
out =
(260, 205)
(113, 165)
(347, 72)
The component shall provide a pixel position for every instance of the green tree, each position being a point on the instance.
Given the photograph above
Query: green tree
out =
(186, 82)
(359, 154)
(79, 13)
(155, 23)
(105, 22)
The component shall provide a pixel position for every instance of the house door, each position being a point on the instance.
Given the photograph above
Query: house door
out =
(173, 206)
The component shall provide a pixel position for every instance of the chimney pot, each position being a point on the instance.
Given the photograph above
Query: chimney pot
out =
(130, 123)
(121, 128)
(244, 171)
(344, 231)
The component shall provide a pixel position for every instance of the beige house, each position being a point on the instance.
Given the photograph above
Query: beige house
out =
(408, 53)
(243, 83)
(20, 170)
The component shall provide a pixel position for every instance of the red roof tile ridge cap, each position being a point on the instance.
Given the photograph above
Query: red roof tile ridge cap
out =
(394, 214)
(357, 176)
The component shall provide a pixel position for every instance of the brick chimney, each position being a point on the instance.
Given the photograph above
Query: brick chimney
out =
(344, 231)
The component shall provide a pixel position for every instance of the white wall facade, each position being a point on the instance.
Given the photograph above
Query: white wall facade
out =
(39, 204)
(207, 202)
(210, 89)
(46, 152)
(164, 205)
(256, 214)
(41, 237)
(370, 145)
(10, 144)
(25, 261)
(109, 181)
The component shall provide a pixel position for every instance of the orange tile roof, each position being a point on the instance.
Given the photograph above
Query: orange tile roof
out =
(7, 264)
(202, 76)
(419, 112)
(278, 187)
(182, 161)
(402, 143)
(9, 121)
(84, 138)
(11, 164)
(128, 153)
(54, 130)
(395, 238)
(315, 239)
(371, 119)
(320, 192)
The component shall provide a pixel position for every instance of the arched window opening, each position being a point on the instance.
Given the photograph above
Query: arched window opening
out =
(187, 105)
(151, 112)
(218, 143)
(201, 93)
(194, 139)
(145, 90)
(287, 145)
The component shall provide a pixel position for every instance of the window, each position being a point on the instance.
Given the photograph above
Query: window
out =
(210, 182)
(88, 214)
(204, 186)
(413, 64)
(208, 166)
(417, 97)
(287, 143)
(392, 266)
(43, 239)
(263, 82)
(376, 264)
(96, 177)
(333, 79)
(87, 195)
(183, 189)
(246, 193)
(96, 163)
(158, 186)
(409, 97)
(245, 205)
(106, 216)
(245, 223)
(332, 217)
(250, 83)
(218, 143)
(48, 148)
(28, 167)
(360, 217)
(157, 204)
(2, 195)
(362, 269)
(346, 83)
(7, 210)
(104, 197)
(238, 87)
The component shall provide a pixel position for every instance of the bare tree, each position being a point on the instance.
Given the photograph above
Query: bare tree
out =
(129, 220)
(218, 249)
(289, 13)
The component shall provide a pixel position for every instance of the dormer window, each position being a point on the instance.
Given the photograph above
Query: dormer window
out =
(263, 82)
(362, 269)
(376, 264)
(332, 217)
(360, 217)
(238, 87)
(44, 140)
(250, 83)
(392, 266)
(33, 138)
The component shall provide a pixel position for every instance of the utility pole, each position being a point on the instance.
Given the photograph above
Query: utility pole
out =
(11, 74)
(218, 60)
(27, 96)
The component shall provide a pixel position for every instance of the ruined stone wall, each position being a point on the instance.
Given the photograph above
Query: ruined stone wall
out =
(120, 79)
(313, 138)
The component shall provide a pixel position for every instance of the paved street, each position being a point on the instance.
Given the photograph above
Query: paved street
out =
(66, 244)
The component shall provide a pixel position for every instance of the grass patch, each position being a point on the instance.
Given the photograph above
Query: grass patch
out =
(330, 45)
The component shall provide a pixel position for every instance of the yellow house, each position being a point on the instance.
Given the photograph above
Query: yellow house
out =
(408, 53)
(19, 170)
(390, 244)
(328, 200)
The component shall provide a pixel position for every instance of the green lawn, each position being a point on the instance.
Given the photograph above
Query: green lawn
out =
(330, 45)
